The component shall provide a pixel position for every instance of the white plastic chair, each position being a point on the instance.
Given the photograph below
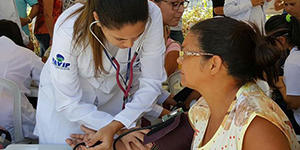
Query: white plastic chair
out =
(174, 83)
(11, 87)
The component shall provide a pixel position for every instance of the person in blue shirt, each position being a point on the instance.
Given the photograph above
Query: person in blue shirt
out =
(22, 11)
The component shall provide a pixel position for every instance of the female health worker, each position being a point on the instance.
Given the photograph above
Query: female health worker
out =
(97, 47)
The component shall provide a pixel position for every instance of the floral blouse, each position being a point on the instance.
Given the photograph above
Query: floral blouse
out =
(250, 102)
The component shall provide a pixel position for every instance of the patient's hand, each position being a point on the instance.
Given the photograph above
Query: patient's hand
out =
(79, 138)
(134, 140)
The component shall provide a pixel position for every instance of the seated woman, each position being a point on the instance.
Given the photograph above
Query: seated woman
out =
(221, 59)
(171, 13)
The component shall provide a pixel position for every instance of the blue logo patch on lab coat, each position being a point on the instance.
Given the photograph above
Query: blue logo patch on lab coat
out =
(59, 63)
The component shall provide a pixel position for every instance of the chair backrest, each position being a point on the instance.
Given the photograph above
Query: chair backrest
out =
(174, 83)
(11, 87)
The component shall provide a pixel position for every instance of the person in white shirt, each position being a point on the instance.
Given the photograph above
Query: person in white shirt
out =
(8, 11)
(277, 30)
(292, 67)
(78, 82)
(291, 80)
(247, 10)
(18, 64)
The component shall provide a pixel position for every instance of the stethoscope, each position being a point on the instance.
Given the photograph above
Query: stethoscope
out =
(114, 62)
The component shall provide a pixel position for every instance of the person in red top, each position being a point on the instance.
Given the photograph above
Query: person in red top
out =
(49, 10)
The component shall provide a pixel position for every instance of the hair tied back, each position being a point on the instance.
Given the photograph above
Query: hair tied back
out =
(288, 17)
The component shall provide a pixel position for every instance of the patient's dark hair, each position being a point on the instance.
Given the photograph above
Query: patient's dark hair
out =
(244, 50)
(12, 31)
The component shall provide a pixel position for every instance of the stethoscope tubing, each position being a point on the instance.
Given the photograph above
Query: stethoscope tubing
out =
(116, 65)
(128, 86)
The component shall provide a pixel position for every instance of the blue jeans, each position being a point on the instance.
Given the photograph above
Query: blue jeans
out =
(44, 42)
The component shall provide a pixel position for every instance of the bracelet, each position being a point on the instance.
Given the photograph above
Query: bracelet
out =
(29, 19)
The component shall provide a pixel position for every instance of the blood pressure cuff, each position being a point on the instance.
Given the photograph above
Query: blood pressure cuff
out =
(175, 134)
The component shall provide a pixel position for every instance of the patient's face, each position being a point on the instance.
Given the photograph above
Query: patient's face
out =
(193, 68)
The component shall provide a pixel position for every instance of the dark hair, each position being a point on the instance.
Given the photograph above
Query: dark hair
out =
(243, 49)
(294, 32)
(116, 13)
(278, 25)
(113, 14)
(12, 31)
(275, 23)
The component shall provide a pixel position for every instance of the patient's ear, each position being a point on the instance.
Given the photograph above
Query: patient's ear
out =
(216, 64)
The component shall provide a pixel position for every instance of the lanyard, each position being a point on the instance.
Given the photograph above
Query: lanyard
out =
(116, 65)
(129, 73)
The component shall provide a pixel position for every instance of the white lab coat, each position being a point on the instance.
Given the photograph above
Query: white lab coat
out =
(18, 64)
(8, 11)
(70, 94)
(244, 11)
(291, 77)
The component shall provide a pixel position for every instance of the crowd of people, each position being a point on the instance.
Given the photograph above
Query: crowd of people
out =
(108, 59)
